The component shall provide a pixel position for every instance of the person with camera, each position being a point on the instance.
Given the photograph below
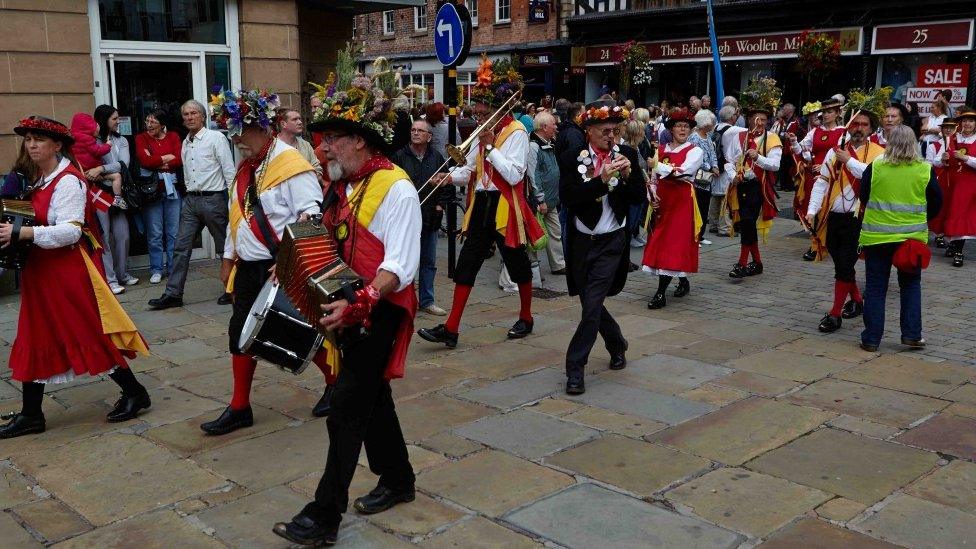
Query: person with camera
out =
(158, 151)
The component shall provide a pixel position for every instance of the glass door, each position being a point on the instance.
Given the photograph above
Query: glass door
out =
(138, 85)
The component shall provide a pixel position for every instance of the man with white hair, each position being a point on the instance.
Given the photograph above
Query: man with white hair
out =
(208, 170)
(730, 100)
(726, 138)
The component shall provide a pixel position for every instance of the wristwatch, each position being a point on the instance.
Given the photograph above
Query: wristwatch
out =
(488, 149)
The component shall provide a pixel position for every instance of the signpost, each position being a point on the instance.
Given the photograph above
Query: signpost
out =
(452, 41)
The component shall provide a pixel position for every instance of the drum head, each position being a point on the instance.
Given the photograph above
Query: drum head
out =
(255, 318)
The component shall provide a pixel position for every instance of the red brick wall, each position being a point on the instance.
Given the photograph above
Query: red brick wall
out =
(487, 33)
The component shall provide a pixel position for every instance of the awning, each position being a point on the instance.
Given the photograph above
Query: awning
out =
(354, 7)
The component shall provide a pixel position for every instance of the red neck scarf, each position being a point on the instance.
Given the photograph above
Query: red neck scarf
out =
(249, 167)
(374, 163)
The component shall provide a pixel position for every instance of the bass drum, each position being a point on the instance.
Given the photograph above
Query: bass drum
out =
(276, 332)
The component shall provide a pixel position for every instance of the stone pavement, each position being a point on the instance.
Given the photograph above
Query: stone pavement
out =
(735, 424)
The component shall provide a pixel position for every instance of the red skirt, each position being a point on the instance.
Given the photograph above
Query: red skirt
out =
(673, 246)
(960, 208)
(937, 223)
(59, 329)
(801, 204)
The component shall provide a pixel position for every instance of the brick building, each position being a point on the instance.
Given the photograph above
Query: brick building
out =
(533, 30)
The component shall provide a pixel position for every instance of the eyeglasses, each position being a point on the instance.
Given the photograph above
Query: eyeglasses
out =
(332, 138)
(418, 130)
(607, 131)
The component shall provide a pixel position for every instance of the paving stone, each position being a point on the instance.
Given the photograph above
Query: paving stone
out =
(591, 516)
(826, 347)
(639, 402)
(158, 320)
(363, 481)
(285, 398)
(8, 391)
(14, 488)
(742, 332)
(518, 390)
(297, 451)
(479, 533)
(858, 468)
(840, 509)
(52, 519)
(953, 485)
(185, 437)
(788, 365)
(863, 427)
(747, 501)
(364, 536)
(148, 477)
(715, 351)
(171, 405)
(756, 384)
(948, 434)
(426, 378)
(914, 522)
(420, 458)
(743, 430)
(911, 375)
(881, 405)
(64, 427)
(810, 533)
(660, 342)
(451, 445)
(186, 351)
(623, 424)
(417, 518)
(634, 465)
(961, 409)
(14, 536)
(714, 394)
(492, 482)
(247, 522)
(415, 415)
(526, 434)
(556, 406)
(667, 374)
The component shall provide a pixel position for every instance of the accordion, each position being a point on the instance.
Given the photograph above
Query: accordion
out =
(19, 213)
(311, 272)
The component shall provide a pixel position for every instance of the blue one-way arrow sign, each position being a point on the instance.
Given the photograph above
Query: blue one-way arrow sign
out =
(451, 35)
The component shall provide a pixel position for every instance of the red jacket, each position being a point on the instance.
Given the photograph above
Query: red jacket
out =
(150, 151)
(85, 149)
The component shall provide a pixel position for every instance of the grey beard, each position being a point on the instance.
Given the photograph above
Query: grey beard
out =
(335, 170)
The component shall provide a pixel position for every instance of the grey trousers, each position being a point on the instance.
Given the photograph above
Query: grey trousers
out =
(197, 212)
(717, 215)
(115, 244)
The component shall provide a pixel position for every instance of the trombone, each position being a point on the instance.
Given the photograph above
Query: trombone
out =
(459, 153)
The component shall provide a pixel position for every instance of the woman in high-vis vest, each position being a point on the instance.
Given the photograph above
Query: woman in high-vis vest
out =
(900, 194)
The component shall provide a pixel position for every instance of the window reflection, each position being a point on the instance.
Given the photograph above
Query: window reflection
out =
(199, 21)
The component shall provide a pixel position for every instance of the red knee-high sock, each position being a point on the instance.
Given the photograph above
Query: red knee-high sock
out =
(461, 293)
(855, 292)
(840, 295)
(754, 249)
(525, 298)
(744, 253)
(243, 376)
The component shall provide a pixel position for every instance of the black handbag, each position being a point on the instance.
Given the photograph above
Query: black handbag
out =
(139, 190)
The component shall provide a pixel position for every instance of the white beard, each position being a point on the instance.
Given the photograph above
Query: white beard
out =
(335, 170)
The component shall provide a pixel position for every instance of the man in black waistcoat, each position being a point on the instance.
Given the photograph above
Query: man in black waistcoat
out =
(607, 182)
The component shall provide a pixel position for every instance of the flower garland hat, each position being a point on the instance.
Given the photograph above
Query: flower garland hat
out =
(871, 103)
(234, 110)
(497, 82)
(602, 111)
(762, 95)
(45, 126)
(680, 115)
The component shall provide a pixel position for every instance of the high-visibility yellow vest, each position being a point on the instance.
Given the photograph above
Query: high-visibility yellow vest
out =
(896, 208)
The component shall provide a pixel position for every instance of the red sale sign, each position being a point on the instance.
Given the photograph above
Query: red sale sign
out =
(943, 76)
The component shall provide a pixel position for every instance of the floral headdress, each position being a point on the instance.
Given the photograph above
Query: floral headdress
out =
(872, 102)
(602, 111)
(811, 107)
(497, 81)
(761, 95)
(234, 110)
(45, 126)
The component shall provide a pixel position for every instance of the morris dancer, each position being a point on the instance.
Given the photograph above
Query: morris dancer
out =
(960, 220)
(943, 148)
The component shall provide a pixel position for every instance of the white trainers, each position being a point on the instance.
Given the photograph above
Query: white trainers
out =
(116, 289)
(130, 281)
(706, 242)
(434, 310)
(155, 278)
(119, 203)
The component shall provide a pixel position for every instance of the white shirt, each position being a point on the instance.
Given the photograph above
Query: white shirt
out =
(769, 162)
(282, 205)
(397, 224)
(845, 201)
(932, 122)
(933, 154)
(608, 221)
(693, 161)
(509, 161)
(207, 162)
(66, 214)
(732, 151)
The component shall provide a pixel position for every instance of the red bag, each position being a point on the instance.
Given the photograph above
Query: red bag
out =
(911, 256)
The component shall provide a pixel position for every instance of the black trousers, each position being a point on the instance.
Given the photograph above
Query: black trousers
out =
(750, 208)
(477, 244)
(250, 278)
(843, 230)
(594, 261)
(363, 414)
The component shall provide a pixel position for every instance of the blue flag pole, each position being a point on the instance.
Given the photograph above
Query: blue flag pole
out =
(716, 58)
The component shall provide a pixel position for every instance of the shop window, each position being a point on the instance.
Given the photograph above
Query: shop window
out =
(426, 81)
(503, 11)
(389, 20)
(355, 26)
(218, 72)
(420, 18)
(473, 10)
(195, 21)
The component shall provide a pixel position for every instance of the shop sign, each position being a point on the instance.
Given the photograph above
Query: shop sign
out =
(579, 71)
(924, 96)
(933, 78)
(757, 46)
(604, 55)
(539, 11)
(923, 37)
(536, 60)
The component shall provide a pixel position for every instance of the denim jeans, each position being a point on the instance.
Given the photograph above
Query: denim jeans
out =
(428, 266)
(162, 217)
(877, 271)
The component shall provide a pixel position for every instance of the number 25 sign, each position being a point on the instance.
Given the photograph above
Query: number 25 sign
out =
(923, 37)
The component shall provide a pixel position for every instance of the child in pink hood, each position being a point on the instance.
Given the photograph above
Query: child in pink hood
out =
(89, 152)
